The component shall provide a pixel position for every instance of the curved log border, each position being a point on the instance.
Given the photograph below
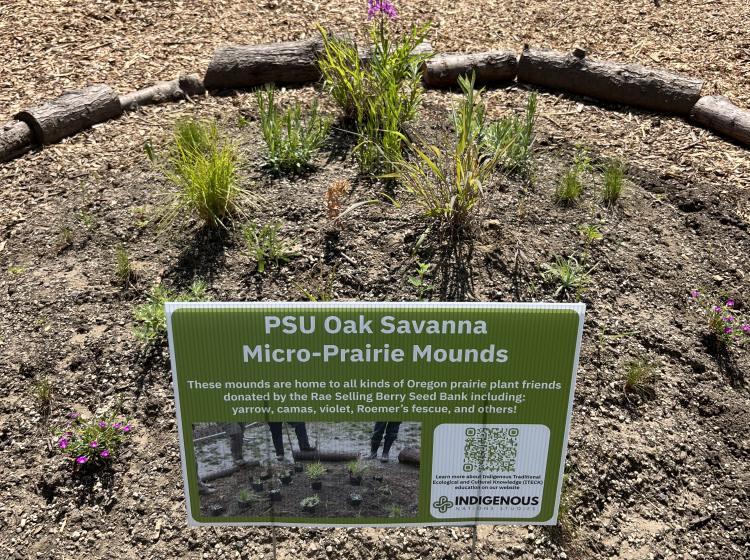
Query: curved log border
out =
(599, 79)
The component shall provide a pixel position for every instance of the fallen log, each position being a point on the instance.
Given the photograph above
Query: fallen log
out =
(15, 140)
(409, 455)
(331, 456)
(490, 67)
(172, 90)
(230, 471)
(425, 47)
(630, 84)
(717, 113)
(73, 111)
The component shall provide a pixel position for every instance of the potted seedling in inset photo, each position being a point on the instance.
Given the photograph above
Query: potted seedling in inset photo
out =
(378, 477)
(309, 504)
(265, 475)
(257, 485)
(244, 499)
(356, 469)
(355, 500)
(215, 510)
(316, 470)
(285, 477)
(275, 495)
(298, 467)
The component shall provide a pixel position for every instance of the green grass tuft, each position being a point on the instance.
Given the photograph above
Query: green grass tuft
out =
(614, 178)
(152, 315)
(640, 377)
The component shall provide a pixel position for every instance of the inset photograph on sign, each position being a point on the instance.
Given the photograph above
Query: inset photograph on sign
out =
(308, 469)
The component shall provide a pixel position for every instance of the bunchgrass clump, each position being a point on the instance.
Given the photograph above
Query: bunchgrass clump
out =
(569, 273)
(291, 139)
(264, 245)
(639, 377)
(322, 287)
(153, 316)
(613, 176)
(42, 393)
(203, 166)
(395, 511)
(728, 327)
(93, 442)
(356, 468)
(568, 187)
(513, 138)
(124, 269)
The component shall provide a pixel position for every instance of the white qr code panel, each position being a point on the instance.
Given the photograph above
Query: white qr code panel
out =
(488, 470)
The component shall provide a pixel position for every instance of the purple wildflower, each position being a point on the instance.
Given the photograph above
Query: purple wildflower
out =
(126, 429)
(695, 294)
(63, 443)
(728, 330)
(81, 460)
(730, 303)
(74, 415)
(102, 425)
(94, 444)
(386, 8)
(716, 308)
(117, 426)
(105, 453)
(745, 328)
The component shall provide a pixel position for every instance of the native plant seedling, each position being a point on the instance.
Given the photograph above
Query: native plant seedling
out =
(395, 511)
(153, 316)
(419, 280)
(315, 471)
(18, 270)
(514, 138)
(310, 503)
(124, 269)
(568, 187)
(590, 232)
(263, 244)
(86, 219)
(291, 140)
(613, 174)
(639, 377)
(93, 442)
(42, 393)
(727, 325)
(322, 288)
(334, 200)
(568, 272)
(65, 237)
(355, 500)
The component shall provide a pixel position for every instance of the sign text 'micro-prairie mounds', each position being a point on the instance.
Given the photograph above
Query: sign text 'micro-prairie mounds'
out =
(388, 325)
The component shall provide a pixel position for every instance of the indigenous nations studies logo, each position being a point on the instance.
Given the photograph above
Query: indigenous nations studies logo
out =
(443, 504)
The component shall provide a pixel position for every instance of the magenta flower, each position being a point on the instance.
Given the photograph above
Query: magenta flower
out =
(716, 308)
(695, 294)
(730, 303)
(74, 416)
(63, 443)
(81, 460)
(105, 453)
(126, 429)
(728, 330)
(386, 8)
(94, 444)
(102, 425)
(745, 328)
(117, 425)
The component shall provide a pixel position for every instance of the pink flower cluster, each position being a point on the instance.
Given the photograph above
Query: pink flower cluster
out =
(386, 8)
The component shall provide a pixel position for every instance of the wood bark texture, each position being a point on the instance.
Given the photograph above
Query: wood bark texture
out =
(332, 456)
(172, 90)
(237, 67)
(15, 140)
(409, 455)
(71, 112)
(425, 47)
(630, 84)
(490, 67)
(717, 113)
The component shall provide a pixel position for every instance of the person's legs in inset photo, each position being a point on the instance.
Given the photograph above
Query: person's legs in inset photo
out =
(391, 434)
(236, 433)
(376, 438)
(301, 430)
(277, 438)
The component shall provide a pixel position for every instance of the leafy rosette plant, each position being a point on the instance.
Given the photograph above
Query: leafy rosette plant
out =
(727, 325)
(92, 443)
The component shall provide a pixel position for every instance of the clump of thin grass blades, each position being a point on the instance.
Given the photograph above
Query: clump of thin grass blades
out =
(42, 392)
(263, 244)
(568, 187)
(203, 166)
(513, 138)
(613, 175)
(639, 378)
(153, 316)
(291, 139)
(322, 287)
(124, 269)
(448, 184)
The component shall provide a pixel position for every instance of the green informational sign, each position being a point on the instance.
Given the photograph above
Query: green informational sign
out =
(369, 414)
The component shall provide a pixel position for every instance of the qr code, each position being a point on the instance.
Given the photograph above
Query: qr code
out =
(491, 449)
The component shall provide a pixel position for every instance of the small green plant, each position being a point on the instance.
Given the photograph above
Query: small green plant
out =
(123, 268)
(264, 246)
(257, 480)
(591, 232)
(639, 377)
(419, 281)
(604, 335)
(385, 490)
(727, 325)
(513, 138)
(244, 495)
(567, 529)
(291, 140)
(93, 442)
(17, 270)
(582, 160)
(613, 174)
(86, 219)
(310, 501)
(322, 288)
(568, 187)
(395, 511)
(315, 471)
(357, 468)
(568, 272)
(41, 392)
(153, 316)
(203, 166)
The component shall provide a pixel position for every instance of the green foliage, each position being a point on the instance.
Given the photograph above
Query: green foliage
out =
(153, 316)
(591, 232)
(395, 511)
(123, 268)
(17, 270)
(322, 288)
(419, 280)
(639, 377)
(614, 177)
(264, 245)
(727, 325)
(203, 166)
(379, 96)
(291, 140)
(41, 392)
(448, 184)
(568, 272)
(65, 237)
(513, 138)
(356, 468)
(244, 495)
(315, 471)
(95, 441)
(310, 501)
(86, 219)
(568, 187)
